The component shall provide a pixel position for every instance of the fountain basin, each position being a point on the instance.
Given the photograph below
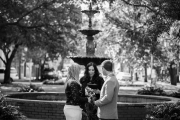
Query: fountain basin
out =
(84, 60)
(89, 32)
(50, 105)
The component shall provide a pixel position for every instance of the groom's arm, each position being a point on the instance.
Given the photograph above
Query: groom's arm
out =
(109, 92)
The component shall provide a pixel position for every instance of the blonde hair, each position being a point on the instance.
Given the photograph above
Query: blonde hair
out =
(73, 73)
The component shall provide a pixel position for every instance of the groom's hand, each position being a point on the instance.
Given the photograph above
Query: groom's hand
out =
(95, 103)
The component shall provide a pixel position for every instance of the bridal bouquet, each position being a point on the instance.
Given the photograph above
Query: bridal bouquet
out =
(89, 92)
(91, 108)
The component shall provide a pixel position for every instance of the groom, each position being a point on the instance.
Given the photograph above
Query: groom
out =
(107, 104)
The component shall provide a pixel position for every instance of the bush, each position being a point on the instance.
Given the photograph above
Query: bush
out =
(175, 94)
(164, 111)
(9, 112)
(31, 88)
(151, 91)
(157, 91)
(52, 82)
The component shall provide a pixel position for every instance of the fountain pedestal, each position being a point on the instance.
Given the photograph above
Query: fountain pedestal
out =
(90, 46)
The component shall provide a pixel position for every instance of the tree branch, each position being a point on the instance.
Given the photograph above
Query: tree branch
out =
(2, 60)
(14, 51)
(29, 12)
(141, 5)
(32, 27)
(1, 56)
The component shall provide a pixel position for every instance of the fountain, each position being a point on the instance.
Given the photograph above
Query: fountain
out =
(90, 45)
(49, 106)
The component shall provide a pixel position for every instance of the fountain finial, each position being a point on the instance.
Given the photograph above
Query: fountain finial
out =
(90, 16)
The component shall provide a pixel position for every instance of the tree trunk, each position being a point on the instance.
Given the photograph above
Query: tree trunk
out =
(121, 66)
(7, 78)
(152, 66)
(19, 68)
(25, 69)
(173, 72)
(178, 71)
(9, 58)
(42, 70)
(131, 71)
(145, 72)
(178, 63)
(136, 76)
(61, 65)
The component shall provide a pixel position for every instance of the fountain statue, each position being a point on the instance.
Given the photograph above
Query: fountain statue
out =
(90, 44)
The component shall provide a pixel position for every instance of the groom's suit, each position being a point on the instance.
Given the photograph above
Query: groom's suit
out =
(107, 104)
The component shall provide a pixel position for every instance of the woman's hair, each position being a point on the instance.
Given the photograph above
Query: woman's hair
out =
(73, 72)
(96, 72)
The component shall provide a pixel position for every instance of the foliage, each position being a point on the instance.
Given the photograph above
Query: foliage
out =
(135, 31)
(175, 94)
(31, 88)
(163, 13)
(164, 111)
(165, 8)
(151, 91)
(158, 91)
(46, 24)
(9, 112)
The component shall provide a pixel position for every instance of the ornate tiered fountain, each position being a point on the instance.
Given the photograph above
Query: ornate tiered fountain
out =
(90, 44)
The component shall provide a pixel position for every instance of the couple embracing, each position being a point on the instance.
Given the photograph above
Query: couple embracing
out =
(107, 103)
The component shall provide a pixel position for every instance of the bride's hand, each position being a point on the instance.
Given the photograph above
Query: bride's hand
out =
(89, 99)
(86, 92)
(97, 91)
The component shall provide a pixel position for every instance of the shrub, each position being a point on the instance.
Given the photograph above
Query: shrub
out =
(164, 111)
(158, 91)
(151, 91)
(175, 94)
(53, 82)
(31, 88)
(9, 112)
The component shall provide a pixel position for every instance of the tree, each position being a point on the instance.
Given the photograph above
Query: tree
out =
(36, 24)
(169, 10)
(136, 31)
(164, 8)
